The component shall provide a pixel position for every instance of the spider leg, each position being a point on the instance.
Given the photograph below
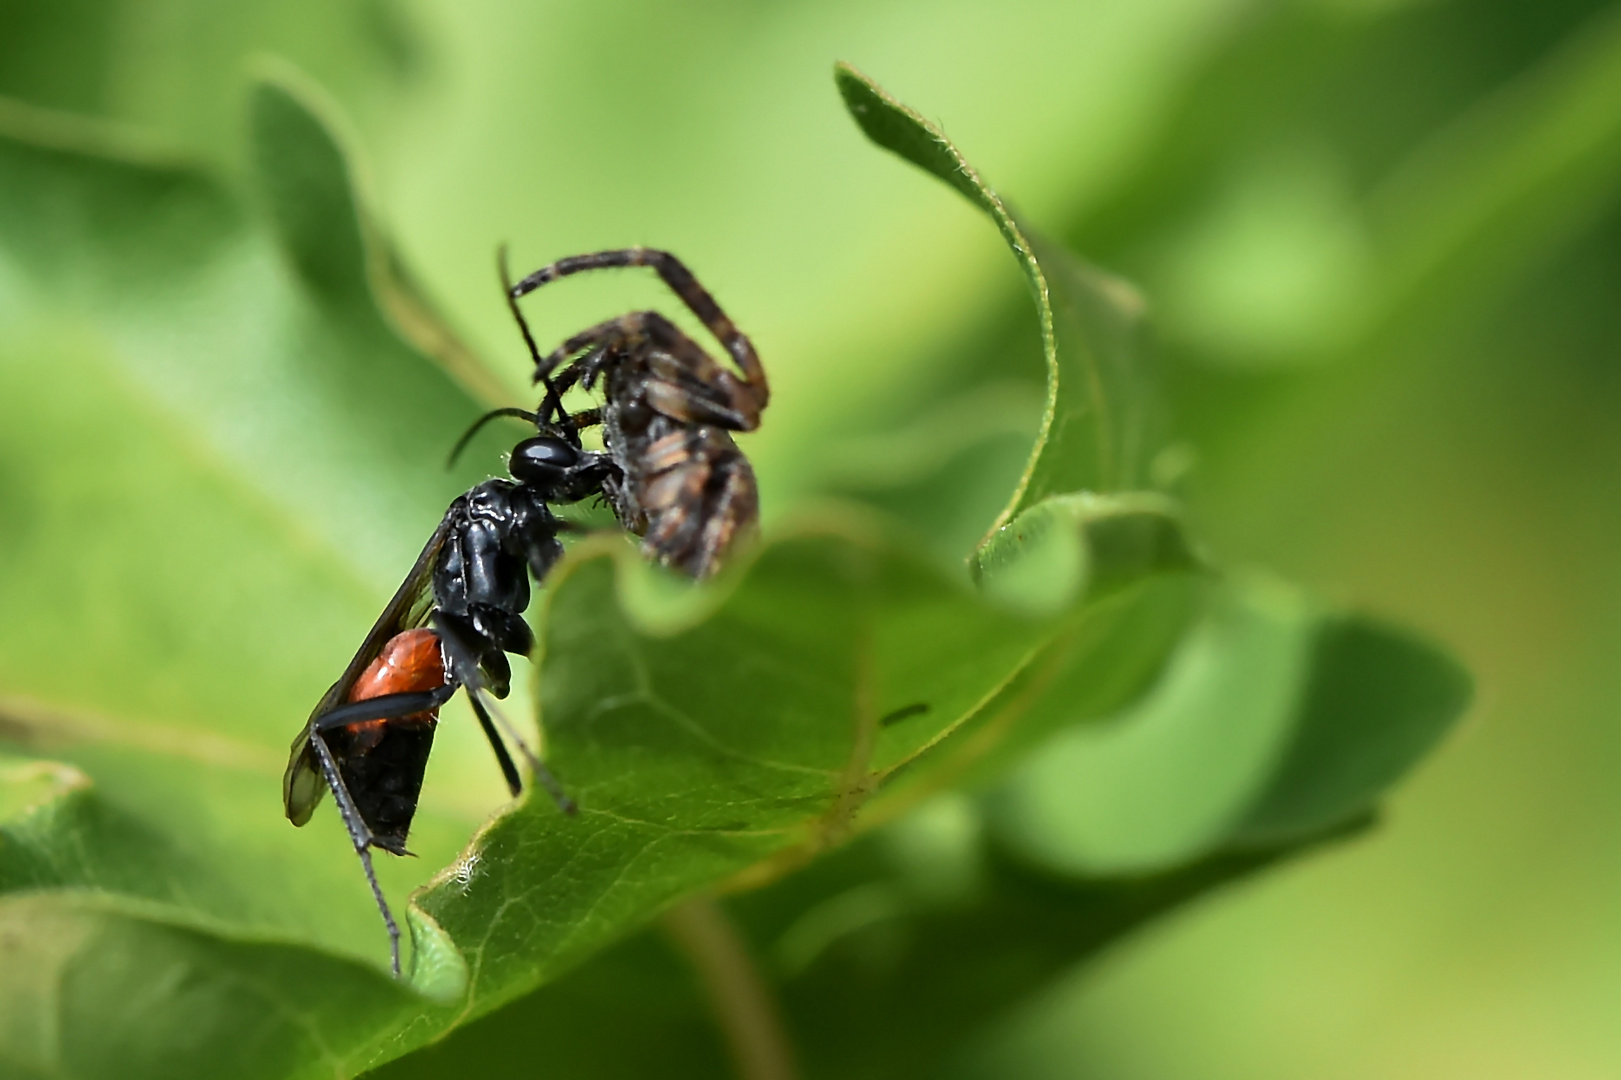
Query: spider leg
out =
(586, 418)
(687, 385)
(680, 403)
(681, 282)
(591, 364)
(616, 491)
(602, 336)
(566, 380)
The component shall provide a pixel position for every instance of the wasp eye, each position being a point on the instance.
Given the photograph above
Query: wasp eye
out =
(541, 459)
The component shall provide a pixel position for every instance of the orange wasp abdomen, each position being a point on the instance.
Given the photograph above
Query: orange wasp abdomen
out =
(411, 661)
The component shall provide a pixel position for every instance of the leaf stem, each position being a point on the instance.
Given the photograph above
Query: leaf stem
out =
(743, 1005)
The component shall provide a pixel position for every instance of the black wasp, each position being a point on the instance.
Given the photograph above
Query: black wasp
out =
(668, 470)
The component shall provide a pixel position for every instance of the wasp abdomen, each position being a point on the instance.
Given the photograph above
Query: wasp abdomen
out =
(382, 761)
(410, 662)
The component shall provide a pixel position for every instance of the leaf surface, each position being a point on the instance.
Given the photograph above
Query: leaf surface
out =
(1275, 719)
(223, 421)
(1099, 425)
(225, 454)
(1241, 723)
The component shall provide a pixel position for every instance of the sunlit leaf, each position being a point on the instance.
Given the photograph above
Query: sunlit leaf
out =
(223, 425)
(1269, 727)
(1275, 719)
(1099, 427)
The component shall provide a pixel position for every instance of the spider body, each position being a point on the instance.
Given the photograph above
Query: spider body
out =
(684, 487)
(682, 484)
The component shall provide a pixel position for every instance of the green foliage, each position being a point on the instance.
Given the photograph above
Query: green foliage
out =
(1098, 423)
(222, 415)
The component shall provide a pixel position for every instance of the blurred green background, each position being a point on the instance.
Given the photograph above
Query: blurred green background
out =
(1382, 247)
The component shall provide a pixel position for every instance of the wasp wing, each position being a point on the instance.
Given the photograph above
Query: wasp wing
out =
(303, 785)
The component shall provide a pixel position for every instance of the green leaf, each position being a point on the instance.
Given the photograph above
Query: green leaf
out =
(176, 68)
(220, 438)
(1099, 426)
(1127, 556)
(215, 475)
(885, 972)
(1274, 721)
(316, 208)
(884, 957)
(733, 744)
(698, 754)
(1271, 729)
(179, 360)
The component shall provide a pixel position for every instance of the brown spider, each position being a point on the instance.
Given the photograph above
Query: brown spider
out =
(684, 487)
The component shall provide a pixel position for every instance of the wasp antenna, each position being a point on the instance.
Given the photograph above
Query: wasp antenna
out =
(467, 436)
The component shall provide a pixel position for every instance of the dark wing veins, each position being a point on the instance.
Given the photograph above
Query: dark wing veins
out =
(302, 786)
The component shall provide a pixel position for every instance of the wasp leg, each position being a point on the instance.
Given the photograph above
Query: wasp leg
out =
(475, 647)
(509, 770)
(362, 838)
(543, 775)
(466, 671)
(460, 662)
(385, 707)
(681, 282)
